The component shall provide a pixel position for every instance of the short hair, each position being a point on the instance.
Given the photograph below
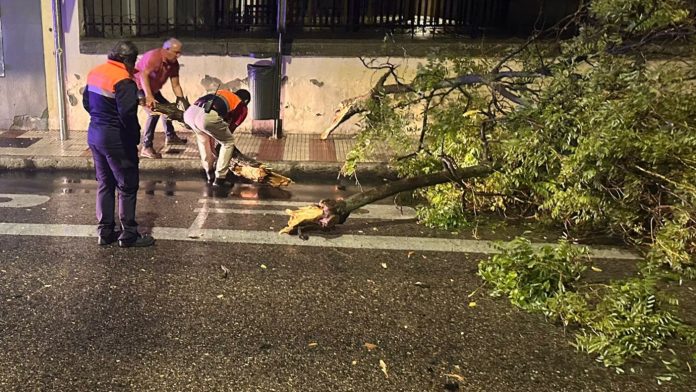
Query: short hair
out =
(124, 52)
(244, 95)
(171, 42)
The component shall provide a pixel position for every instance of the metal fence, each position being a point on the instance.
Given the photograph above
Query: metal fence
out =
(229, 18)
(397, 16)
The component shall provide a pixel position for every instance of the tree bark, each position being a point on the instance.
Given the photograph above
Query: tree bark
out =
(329, 212)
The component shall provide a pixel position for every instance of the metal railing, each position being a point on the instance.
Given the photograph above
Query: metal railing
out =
(414, 17)
(230, 18)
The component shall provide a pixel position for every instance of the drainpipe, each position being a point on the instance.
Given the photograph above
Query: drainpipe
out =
(60, 69)
(280, 27)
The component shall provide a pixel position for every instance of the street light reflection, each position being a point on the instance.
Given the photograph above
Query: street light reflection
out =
(257, 192)
(249, 193)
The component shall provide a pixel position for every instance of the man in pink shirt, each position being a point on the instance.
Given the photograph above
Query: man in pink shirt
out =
(156, 67)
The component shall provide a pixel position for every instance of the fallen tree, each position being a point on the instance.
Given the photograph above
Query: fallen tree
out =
(588, 125)
(581, 125)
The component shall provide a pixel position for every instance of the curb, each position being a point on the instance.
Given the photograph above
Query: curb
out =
(297, 170)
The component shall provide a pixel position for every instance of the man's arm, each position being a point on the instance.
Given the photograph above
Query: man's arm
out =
(176, 87)
(85, 98)
(145, 83)
(179, 92)
(127, 105)
(237, 116)
(151, 63)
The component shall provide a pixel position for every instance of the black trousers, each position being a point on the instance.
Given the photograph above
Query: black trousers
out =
(116, 168)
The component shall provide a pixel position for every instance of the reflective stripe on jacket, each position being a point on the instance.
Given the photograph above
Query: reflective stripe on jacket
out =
(111, 99)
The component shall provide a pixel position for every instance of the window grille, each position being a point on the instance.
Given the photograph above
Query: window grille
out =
(317, 18)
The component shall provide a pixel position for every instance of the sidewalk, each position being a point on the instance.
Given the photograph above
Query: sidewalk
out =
(293, 154)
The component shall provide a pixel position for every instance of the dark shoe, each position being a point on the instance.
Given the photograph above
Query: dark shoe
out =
(174, 139)
(109, 239)
(140, 242)
(149, 152)
(220, 181)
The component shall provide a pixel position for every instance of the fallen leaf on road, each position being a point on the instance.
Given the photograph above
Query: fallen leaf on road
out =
(410, 254)
(596, 269)
(383, 366)
(225, 271)
(263, 266)
(313, 344)
(384, 265)
(354, 363)
(220, 296)
(472, 304)
(370, 346)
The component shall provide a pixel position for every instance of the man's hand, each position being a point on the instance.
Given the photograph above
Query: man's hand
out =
(183, 101)
(149, 102)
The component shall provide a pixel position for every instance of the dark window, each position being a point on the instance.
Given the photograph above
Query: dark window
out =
(410, 17)
(317, 18)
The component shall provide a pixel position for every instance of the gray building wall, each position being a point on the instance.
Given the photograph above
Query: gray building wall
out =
(23, 88)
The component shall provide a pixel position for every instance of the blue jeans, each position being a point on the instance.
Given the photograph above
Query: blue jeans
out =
(151, 123)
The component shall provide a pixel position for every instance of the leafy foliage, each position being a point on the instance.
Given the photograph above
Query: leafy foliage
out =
(628, 320)
(619, 321)
(444, 209)
(530, 278)
(630, 15)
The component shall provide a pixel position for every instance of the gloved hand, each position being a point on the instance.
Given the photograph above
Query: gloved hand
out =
(183, 101)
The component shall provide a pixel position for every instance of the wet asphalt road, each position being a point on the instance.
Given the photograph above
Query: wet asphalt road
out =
(216, 316)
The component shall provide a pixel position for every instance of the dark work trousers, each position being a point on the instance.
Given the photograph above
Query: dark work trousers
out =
(151, 124)
(116, 168)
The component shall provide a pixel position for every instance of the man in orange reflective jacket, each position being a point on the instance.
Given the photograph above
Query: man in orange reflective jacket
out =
(215, 117)
(111, 99)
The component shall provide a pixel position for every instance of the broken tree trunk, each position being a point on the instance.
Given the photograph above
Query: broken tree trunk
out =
(240, 165)
(328, 212)
(347, 109)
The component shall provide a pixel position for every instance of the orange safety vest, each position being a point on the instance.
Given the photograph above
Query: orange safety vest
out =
(103, 78)
(231, 99)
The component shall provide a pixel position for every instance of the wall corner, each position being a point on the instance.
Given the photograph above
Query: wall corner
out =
(49, 64)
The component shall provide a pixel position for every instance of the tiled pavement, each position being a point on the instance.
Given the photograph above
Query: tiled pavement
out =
(291, 147)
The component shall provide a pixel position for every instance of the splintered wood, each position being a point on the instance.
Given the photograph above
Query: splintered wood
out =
(302, 215)
(261, 175)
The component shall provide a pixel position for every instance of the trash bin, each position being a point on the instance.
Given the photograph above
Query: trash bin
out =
(262, 80)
